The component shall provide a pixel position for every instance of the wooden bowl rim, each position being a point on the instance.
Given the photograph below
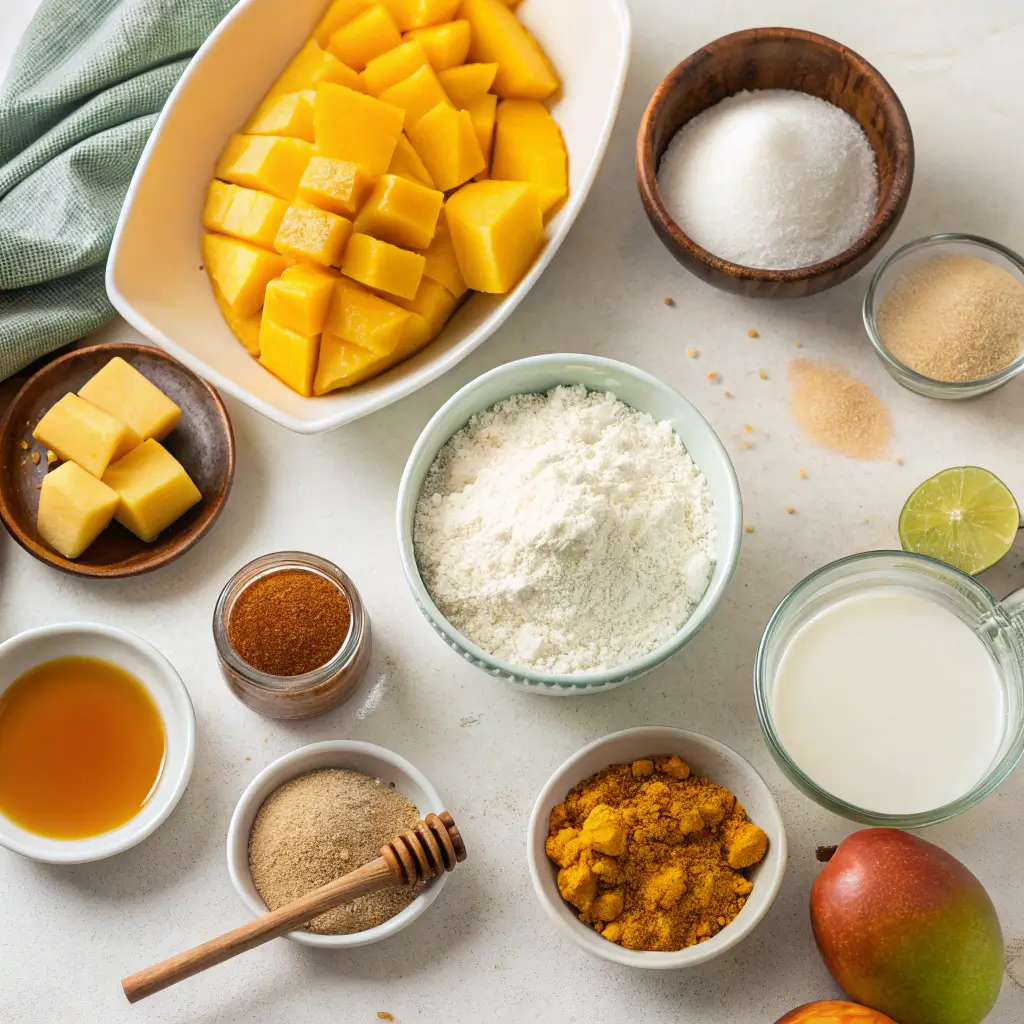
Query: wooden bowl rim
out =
(116, 570)
(898, 126)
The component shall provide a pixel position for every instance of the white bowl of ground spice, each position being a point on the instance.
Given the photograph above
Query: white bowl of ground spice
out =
(318, 813)
(945, 314)
(667, 842)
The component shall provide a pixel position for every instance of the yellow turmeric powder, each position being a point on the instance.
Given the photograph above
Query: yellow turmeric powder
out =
(652, 856)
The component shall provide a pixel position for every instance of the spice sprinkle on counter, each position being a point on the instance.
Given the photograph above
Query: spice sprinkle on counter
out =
(652, 856)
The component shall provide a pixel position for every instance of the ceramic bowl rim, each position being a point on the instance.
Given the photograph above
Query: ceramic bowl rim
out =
(283, 769)
(581, 934)
(108, 844)
(427, 446)
(887, 214)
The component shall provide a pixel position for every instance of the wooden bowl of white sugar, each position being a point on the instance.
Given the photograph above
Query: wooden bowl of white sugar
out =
(770, 194)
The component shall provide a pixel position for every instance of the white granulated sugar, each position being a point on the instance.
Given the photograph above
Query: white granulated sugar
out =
(565, 532)
(774, 180)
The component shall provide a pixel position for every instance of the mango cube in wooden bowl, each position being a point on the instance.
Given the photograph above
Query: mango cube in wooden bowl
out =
(269, 68)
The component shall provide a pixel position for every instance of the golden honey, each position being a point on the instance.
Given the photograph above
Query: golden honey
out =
(81, 748)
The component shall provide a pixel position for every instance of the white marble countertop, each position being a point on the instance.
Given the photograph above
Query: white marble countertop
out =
(485, 951)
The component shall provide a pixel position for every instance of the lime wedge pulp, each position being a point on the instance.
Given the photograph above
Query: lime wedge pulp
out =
(964, 516)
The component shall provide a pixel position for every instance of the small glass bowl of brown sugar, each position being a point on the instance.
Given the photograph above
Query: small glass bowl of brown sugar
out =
(292, 635)
(945, 314)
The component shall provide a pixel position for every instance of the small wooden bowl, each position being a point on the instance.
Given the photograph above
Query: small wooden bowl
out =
(202, 442)
(778, 58)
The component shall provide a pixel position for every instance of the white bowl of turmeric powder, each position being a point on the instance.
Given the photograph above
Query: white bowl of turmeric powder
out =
(668, 842)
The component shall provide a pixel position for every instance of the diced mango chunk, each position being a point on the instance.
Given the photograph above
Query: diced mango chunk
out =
(418, 13)
(118, 388)
(447, 45)
(447, 144)
(401, 212)
(406, 163)
(497, 230)
(354, 127)
(313, 235)
(528, 146)
(362, 318)
(339, 14)
(442, 264)
(467, 82)
(382, 266)
(153, 488)
(343, 364)
(265, 162)
(299, 299)
(338, 186)
(308, 68)
(288, 355)
(482, 112)
(245, 328)
(433, 302)
(416, 95)
(499, 37)
(81, 432)
(240, 270)
(392, 67)
(243, 212)
(290, 114)
(74, 509)
(366, 36)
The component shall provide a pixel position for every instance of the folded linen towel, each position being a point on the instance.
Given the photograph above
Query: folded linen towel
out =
(78, 104)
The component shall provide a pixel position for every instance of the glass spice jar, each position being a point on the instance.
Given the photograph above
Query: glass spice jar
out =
(311, 692)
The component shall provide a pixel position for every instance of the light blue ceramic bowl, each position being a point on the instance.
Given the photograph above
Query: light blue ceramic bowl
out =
(637, 389)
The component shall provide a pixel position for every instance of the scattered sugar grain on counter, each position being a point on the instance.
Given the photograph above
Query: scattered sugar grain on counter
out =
(773, 179)
(837, 411)
(565, 532)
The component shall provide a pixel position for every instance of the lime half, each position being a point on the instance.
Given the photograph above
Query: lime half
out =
(964, 516)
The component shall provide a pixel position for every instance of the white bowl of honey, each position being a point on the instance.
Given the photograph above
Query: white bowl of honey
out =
(97, 742)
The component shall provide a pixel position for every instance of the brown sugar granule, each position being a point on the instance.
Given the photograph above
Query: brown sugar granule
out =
(670, 302)
(837, 411)
(752, 333)
(954, 318)
(289, 622)
(748, 529)
(319, 827)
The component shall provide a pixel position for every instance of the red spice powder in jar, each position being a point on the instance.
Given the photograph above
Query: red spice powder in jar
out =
(289, 622)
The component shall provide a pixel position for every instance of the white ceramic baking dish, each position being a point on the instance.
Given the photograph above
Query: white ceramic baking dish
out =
(154, 278)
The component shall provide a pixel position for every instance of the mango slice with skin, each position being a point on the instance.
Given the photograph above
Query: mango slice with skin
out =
(313, 236)
(499, 37)
(361, 129)
(240, 271)
(392, 67)
(467, 82)
(288, 355)
(366, 36)
(74, 509)
(153, 488)
(265, 163)
(362, 318)
(446, 45)
(416, 95)
(497, 230)
(447, 144)
(243, 213)
(401, 212)
(528, 146)
(308, 68)
(406, 163)
(129, 396)
(382, 266)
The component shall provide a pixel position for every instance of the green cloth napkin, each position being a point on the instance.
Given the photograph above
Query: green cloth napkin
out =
(78, 104)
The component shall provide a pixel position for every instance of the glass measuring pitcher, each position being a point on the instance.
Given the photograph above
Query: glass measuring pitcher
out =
(999, 625)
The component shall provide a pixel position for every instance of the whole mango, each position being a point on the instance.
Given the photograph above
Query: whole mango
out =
(906, 929)
(834, 1011)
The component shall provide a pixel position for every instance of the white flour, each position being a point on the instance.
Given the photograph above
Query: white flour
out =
(565, 532)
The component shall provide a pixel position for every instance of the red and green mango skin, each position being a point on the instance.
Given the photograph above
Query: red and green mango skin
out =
(834, 1011)
(906, 929)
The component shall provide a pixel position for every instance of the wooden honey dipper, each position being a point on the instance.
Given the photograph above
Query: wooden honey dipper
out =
(425, 851)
